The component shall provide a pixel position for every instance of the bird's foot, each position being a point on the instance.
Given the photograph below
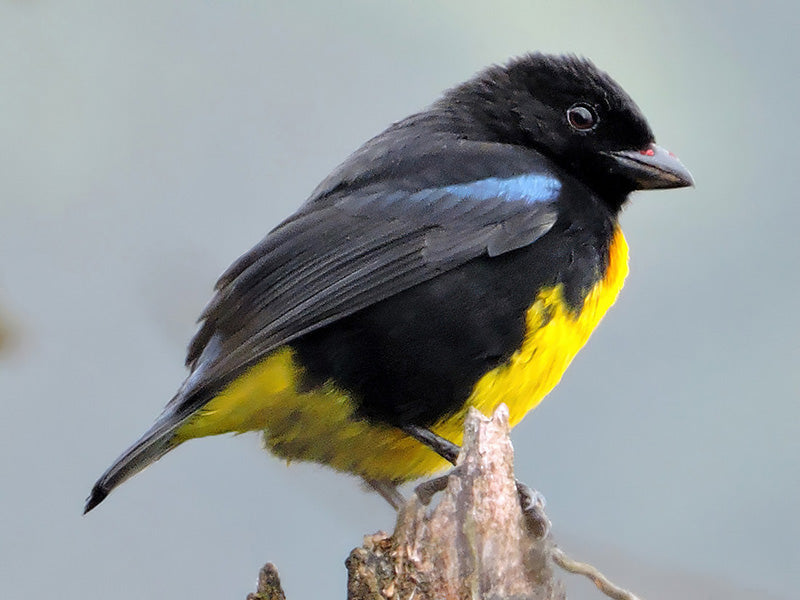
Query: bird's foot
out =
(427, 489)
(533, 503)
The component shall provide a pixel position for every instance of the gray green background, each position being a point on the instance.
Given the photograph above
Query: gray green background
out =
(144, 145)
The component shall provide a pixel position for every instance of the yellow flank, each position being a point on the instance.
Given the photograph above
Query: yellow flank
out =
(319, 425)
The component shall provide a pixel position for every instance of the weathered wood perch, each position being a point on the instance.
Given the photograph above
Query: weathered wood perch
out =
(473, 540)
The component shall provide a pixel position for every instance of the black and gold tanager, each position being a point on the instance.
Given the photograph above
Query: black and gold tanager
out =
(460, 258)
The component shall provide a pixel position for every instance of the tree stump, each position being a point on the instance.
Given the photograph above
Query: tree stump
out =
(473, 541)
(483, 536)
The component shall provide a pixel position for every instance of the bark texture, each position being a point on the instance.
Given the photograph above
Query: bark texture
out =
(472, 541)
(474, 534)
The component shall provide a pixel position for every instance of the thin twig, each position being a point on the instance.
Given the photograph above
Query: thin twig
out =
(600, 580)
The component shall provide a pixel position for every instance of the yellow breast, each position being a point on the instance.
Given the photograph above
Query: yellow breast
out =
(320, 425)
(553, 336)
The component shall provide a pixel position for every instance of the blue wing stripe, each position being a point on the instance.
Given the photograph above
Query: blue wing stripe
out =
(530, 188)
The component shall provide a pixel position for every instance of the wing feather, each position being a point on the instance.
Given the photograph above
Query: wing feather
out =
(352, 247)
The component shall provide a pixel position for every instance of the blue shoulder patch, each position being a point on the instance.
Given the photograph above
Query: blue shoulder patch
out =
(530, 188)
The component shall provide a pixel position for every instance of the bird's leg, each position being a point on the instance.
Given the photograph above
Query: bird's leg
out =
(388, 492)
(444, 448)
(531, 501)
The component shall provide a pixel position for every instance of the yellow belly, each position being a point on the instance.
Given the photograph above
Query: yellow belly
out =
(319, 425)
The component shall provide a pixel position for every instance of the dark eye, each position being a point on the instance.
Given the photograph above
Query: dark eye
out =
(582, 117)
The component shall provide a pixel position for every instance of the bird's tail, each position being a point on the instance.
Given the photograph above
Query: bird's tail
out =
(155, 443)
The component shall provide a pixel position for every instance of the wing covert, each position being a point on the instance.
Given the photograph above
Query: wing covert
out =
(345, 251)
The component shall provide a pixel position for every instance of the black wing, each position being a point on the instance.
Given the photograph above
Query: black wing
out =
(386, 220)
(361, 240)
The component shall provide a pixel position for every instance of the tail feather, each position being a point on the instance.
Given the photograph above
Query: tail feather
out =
(154, 444)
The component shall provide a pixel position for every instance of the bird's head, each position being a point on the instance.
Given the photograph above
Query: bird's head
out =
(574, 113)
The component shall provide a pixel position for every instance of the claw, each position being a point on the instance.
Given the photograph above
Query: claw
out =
(427, 489)
(533, 503)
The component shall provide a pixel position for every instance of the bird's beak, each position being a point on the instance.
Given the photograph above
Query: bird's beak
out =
(652, 168)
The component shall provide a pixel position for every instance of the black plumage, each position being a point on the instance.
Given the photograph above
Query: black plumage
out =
(406, 275)
(361, 238)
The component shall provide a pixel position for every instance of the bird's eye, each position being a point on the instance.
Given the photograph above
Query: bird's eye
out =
(582, 117)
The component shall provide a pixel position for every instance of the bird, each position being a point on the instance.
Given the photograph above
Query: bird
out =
(461, 258)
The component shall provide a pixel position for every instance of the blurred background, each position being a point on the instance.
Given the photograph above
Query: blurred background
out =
(145, 145)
